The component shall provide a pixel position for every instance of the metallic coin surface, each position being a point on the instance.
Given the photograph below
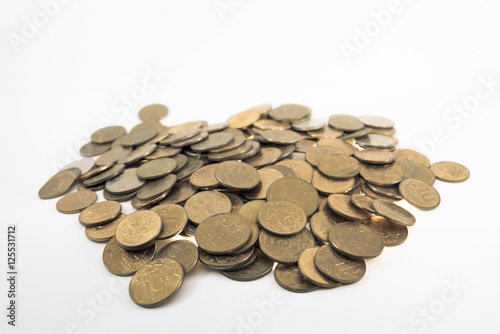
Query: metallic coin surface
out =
(236, 202)
(137, 154)
(266, 177)
(180, 136)
(419, 194)
(286, 171)
(179, 193)
(204, 177)
(76, 201)
(322, 222)
(157, 187)
(94, 171)
(92, 149)
(266, 156)
(449, 171)
(294, 190)
(345, 123)
(173, 218)
(339, 166)
(163, 152)
(342, 205)
(100, 213)
(238, 140)
(107, 134)
(59, 184)
(227, 261)
(326, 132)
(350, 135)
(285, 249)
(84, 165)
(214, 141)
(282, 218)
(156, 168)
(356, 240)
(153, 112)
(251, 209)
(237, 175)
(258, 269)
(152, 124)
(139, 204)
(393, 212)
(216, 127)
(103, 233)
(104, 176)
(301, 169)
(308, 269)
(187, 126)
(290, 278)
(362, 202)
(342, 145)
(126, 182)
(375, 156)
(243, 119)
(138, 230)
(138, 137)
(304, 145)
(374, 140)
(382, 175)
(392, 234)
(411, 155)
(271, 124)
(290, 113)
(281, 137)
(413, 170)
(326, 185)
(191, 167)
(156, 282)
(124, 263)
(386, 191)
(377, 122)
(119, 198)
(205, 204)
(315, 154)
(184, 252)
(337, 267)
(223, 233)
(113, 155)
(309, 125)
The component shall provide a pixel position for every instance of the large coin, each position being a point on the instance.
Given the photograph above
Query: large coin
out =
(294, 190)
(243, 119)
(76, 202)
(138, 137)
(392, 234)
(107, 134)
(180, 192)
(228, 261)
(281, 137)
(156, 168)
(206, 204)
(290, 113)
(237, 175)
(123, 263)
(139, 230)
(282, 218)
(301, 169)
(420, 194)
(413, 170)
(104, 176)
(375, 156)
(450, 171)
(59, 184)
(355, 240)
(339, 166)
(382, 175)
(393, 212)
(309, 270)
(411, 155)
(251, 209)
(173, 217)
(266, 156)
(157, 187)
(315, 154)
(326, 185)
(100, 213)
(338, 267)
(183, 251)
(153, 112)
(342, 205)
(377, 122)
(204, 177)
(345, 123)
(214, 141)
(285, 249)
(374, 140)
(290, 278)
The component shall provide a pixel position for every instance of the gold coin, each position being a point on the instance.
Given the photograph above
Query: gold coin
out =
(104, 176)
(282, 218)
(356, 240)
(204, 177)
(322, 222)
(137, 154)
(411, 155)
(125, 183)
(137, 138)
(153, 112)
(107, 134)
(339, 166)
(362, 202)
(186, 126)
(382, 175)
(238, 140)
(326, 185)
(294, 190)
(281, 137)
(271, 124)
(139, 204)
(309, 125)
(326, 132)
(420, 194)
(243, 119)
(180, 136)
(342, 205)
(104, 233)
(377, 122)
(173, 218)
(309, 271)
(183, 251)
(59, 184)
(257, 269)
(315, 154)
(290, 278)
(251, 209)
(206, 204)
(450, 171)
(139, 230)
(301, 169)
(266, 156)
(374, 140)
(393, 212)
(124, 263)
(345, 123)
(191, 167)
(237, 175)
(156, 282)
(76, 202)
(92, 149)
(290, 113)
(163, 152)
(285, 249)
(155, 188)
(304, 145)
(113, 155)
(392, 234)
(156, 168)
(267, 177)
(180, 192)
(236, 202)
(214, 141)
(227, 261)
(342, 145)
(337, 267)
(375, 156)
(413, 170)
(386, 191)
(100, 213)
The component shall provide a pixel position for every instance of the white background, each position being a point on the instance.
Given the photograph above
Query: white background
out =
(69, 76)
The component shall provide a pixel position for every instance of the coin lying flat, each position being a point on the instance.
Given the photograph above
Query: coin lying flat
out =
(204, 177)
(156, 282)
(413, 170)
(290, 278)
(266, 177)
(180, 136)
(206, 204)
(355, 240)
(315, 154)
(76, 202)
(103, 233)
(100, 213)
(237, 175)
(92, 149)
(327, 185)
(342, 205)
(393, 212)
(326, 132)
(450, 171)
(322, 222)
(337, 267)
(138, 230)
(251, 209)
(304, 145)
(339, 166)
(282, 218)
(290, 113)
(294, 190)
(377, 122)
(156, 168)
(124, 263)
(183, 251)
(392, 234)
(157, 187)
(107, 134)
(411, 155)
(375, 156)
(281, 137)
(173, 218)
(420, 194)
(285, 249)
(125, 183)
(345, 123)
(308, 269)
(345, 147)
(382, 175)
(257, 269)
(153, 112)
(301, 169)
(271, 124)
(59, 184)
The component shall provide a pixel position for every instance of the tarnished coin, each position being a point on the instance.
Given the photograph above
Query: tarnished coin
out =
(282, 218)
(315, 154)
(251, 209)
(139, 137)
(76, 201)
(223, 233)
(373, 140)
(420, 194)
(157, 187)
(156, 168)
(375, 156)
(59, 184)
(204, 177)
(107, 134)
(205, 204)
(326, 132)
(342, 205)
(156, 282)
(285, 249)
(356, 240)
(183, 251)
(386, 191)
(243, 119)
(173, 218)
(450, 171)
(113, 155)
(294, 190)
(214, 141)
(337, 267)
(290, 278)
(304, 145)
(322, 222)
(414, 156)
(104, 176)
(237, 175)
(139, 230)
(382, 175)
(345, 123)
(103, 233)
(137, 154)
(227, 261)
(301, 169)
(271, 124)
(339, 166)
(308, 269)
(342, 145)
(163, 152)
(100, 213)
(326, 185)
(377, 122)
(179, 193)
(413, 170)
(191, 167)
(258, 269)
(125, 183)
(290, 113)
(392, 234)
(362, 202)
(153, 112)
(92, 149)
(393, 212)
(309, 125)
(267, 176)
(266, 156)
(124, 263)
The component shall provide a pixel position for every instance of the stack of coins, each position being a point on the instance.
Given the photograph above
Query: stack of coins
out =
(268, 188)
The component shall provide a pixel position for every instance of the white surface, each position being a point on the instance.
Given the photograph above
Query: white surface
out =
(68, 79)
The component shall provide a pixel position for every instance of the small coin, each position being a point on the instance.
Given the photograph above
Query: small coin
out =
(179, 193)
(419, 194)
(356, 240)
(205, 204)
(290, 278)
(183, 251)
(326, 185)
(173, 218)
(243, 119)
(342, 205)
(76, 201)
(59, 184)
(342, 145)
(315, 154)
(326, 132)
(301, 169)
(309, 271)
(122, 262)
(107, 134)
(125, 183)
(156, 168)
(157, 187)
(251, 209)
(285, 249)
(290, 113)
(258, 269)
(309, 125)
(322, 222)
(281, 137)
(223, 233)
(345, 123)
(138, 230)
(266, 156)
(163, 152)
(228, 261)
(304, 145)
(156, 282)
(450, 171)
(339, 166)
(100, 213)
(113, 155)
(153, 112)
(267, 176)
(103, 233)
(375, 156)
(137, 154)
(382, 175)
(338, 267)
(138, 137)
(282, 218)
(392, 234)
(362, 202)
(393, 212)
(414, 156)
(413, 170)
(377, 122)
(214, 141)
(294, 190)
(92, 149)
(204, 177)
(237, 175)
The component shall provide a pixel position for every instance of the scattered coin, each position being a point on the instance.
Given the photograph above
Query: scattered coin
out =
(392, 234)
(375, 156)
(266, 177)
(450, 171)
(243, 119)
(100, 213)
(237, 175)
(103, 233)
(138, 137)
(107, 134)
(76, 201)
(92, 149)
(163, 152)
(156, 187)
(125, 183)
(382, 175)
(251, 209)
(337, 267)
(374, 140)
(205, 204)
(304, 145)
(285, 249)
(309, 125)
(420, 194)
(339, 166)
(156, 168)
(104, 176)
(294, 190)
(342, 205)
(59, 184)
(315, 154)
(413, 170)
(204, 177)
(153, 112)
(344, 146)
(387, 191)
(290, 278)
(282, 218)
(214, 141)
(393, 212)
(258, 269)
(173, 218)
(122, 262)
(113, 155)
(183, 251)
(228, 261)
(411, 155)
(322, 222)
(290, 113)
(281, 137)
(179, 193)
(301, 169)
(326, 185)
(377, 122)
(308, 269)
(264, 157)
(138, 230)
(137, 154)
(345, 123)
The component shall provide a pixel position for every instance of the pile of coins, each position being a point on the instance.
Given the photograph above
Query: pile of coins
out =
(269, 185)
